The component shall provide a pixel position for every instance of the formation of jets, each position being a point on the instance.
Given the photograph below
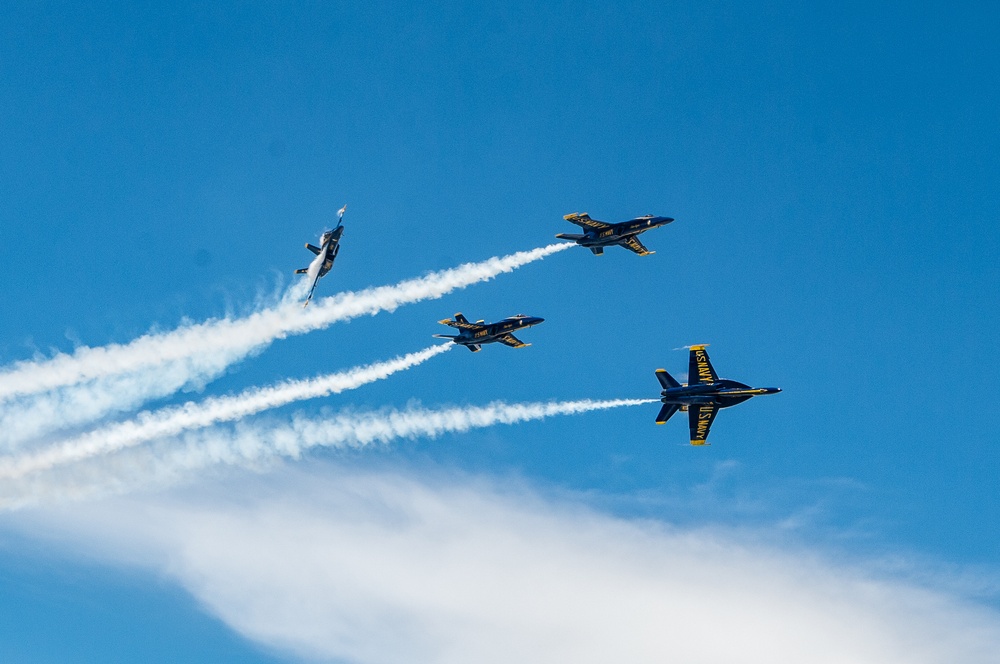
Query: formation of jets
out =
(701, 397)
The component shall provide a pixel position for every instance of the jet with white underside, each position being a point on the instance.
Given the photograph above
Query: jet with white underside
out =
(599, 234)
(326, 253)
(474, 335)
(703, 396)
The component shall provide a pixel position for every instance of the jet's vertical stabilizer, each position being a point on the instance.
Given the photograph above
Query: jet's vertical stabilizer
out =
(666, 380)
(666, 412)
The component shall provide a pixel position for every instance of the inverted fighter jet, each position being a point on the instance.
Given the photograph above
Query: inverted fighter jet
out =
(474, 335)
(599, 234)
(703, 395)
(326, 253)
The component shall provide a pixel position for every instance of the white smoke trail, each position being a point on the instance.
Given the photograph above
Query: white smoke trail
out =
(204, 349)
(153, 425)
(173, 460)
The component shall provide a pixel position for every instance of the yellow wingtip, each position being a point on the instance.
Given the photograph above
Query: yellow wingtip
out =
(699, 346)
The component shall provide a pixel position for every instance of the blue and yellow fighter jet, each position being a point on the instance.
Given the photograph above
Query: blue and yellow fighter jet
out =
(703, 395)
(599, 234)
(326, 253)
(474, 335)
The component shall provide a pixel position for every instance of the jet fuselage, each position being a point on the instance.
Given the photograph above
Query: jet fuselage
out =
(724, 393)
(329, 247)
(614, 234)
(492, 332)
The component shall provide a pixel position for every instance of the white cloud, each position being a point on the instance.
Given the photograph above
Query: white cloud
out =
(379, 567)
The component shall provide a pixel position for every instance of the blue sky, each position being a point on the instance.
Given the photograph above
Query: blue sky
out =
(832, 172)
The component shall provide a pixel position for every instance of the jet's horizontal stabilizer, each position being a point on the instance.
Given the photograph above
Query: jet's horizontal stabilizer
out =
(302, 271)
(666, 380)
(570, 236)
(445, 336)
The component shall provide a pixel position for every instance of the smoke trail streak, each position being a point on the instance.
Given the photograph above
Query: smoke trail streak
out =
(152, 425)
(172, 460)
(29, 419)
(204, 349)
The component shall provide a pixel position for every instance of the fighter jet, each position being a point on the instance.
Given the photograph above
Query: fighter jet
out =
(703, 395)
(474, 335)
(326, 253)
(600, 234)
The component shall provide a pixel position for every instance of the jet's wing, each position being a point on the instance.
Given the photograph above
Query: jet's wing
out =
(583, 220)
(700, 369)
(512, 341)
(666, 413)
(632, 244)
(461, 324)
(700, 418)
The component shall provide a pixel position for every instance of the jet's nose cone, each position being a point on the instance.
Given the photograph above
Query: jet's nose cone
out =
(536, 320)
(773, 390)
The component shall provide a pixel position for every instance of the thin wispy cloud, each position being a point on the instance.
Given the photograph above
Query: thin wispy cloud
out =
(382, 567)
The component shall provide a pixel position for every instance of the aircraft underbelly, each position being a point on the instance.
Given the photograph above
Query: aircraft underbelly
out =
(315, 268)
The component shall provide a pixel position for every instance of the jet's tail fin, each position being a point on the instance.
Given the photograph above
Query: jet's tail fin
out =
(597, 251)
(475, 348)
(459, 318)
(700, 369)
(666, 413)
(666, 380)
(313, 248)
